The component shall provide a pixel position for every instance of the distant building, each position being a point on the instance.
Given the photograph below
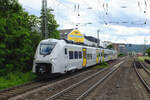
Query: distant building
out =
(64, 33)
(120, 47)
(89, 40)
(106, 43)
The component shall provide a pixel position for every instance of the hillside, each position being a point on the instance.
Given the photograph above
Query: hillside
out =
(136, 47)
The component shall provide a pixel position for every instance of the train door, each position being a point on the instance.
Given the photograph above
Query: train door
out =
(84, 57)
(102, 55)
(97, 56)
(66, 58)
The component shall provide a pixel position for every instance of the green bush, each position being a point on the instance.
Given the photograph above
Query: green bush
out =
(101, 65)
(121, 55)
(148, 52)
(17, 40)
(14, 79)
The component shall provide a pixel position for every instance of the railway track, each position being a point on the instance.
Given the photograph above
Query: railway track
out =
(14, 91)
(144, 75)
(80, 89)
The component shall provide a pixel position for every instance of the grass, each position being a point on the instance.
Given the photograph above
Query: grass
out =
(14, 79)
(121, 55)
(102, 65)
(143, 58)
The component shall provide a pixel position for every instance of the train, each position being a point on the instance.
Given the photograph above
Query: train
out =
(55, 56)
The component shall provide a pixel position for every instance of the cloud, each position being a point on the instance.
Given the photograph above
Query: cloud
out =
(120, 21)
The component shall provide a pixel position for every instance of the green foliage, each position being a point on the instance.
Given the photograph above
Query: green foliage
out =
(17, 40)
(121, 55)
(14, 79)
(143, 58)
(102, 65)
(110, 46)
(148, 52)
(52, 25)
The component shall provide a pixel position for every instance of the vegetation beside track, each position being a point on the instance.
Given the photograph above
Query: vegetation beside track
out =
(14, 79)
(18, 41)
(143, 58)
(121, 55)
(102, 65)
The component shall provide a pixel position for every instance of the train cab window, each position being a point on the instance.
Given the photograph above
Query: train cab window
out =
(65, 51)
(76, 55)
(80, 54)
(46, 49)
(70, 54)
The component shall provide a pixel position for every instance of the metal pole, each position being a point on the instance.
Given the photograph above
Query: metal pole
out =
(97, 38)
(44, 19)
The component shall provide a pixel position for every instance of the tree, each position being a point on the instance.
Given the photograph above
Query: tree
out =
(17, 41)
(110, 46)
(148, 52)
(52, 25)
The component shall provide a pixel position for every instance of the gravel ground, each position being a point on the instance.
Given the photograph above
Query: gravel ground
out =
(123, 85)
(46, 91)
(146, 65)
(145, 75)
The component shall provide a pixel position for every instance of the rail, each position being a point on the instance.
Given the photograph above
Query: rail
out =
(74, 86)
(141, 78)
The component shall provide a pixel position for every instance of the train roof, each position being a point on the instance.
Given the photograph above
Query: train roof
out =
(49, 40)
(70, 42)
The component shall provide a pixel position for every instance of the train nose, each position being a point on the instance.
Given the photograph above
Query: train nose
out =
(44, 68)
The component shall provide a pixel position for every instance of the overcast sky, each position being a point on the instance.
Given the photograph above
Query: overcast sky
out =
(119, 21)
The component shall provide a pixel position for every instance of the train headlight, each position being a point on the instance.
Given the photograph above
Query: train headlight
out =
(52, 59)
(41, 69)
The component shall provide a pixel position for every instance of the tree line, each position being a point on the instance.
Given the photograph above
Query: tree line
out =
(18, 38)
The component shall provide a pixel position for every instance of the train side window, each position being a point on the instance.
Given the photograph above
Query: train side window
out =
(70, 54)
(80, 54)
(76, 55)
(65, 51)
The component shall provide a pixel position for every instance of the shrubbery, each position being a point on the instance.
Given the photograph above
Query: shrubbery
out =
(121, 55)
(148, 52)
(18, 41)
(13, 79)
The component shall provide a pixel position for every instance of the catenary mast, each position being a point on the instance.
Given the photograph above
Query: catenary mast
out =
(44, 23)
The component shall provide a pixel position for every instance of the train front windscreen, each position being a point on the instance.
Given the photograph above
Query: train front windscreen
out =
(46, 49)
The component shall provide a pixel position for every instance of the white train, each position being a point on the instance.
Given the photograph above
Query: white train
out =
(58, 56)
